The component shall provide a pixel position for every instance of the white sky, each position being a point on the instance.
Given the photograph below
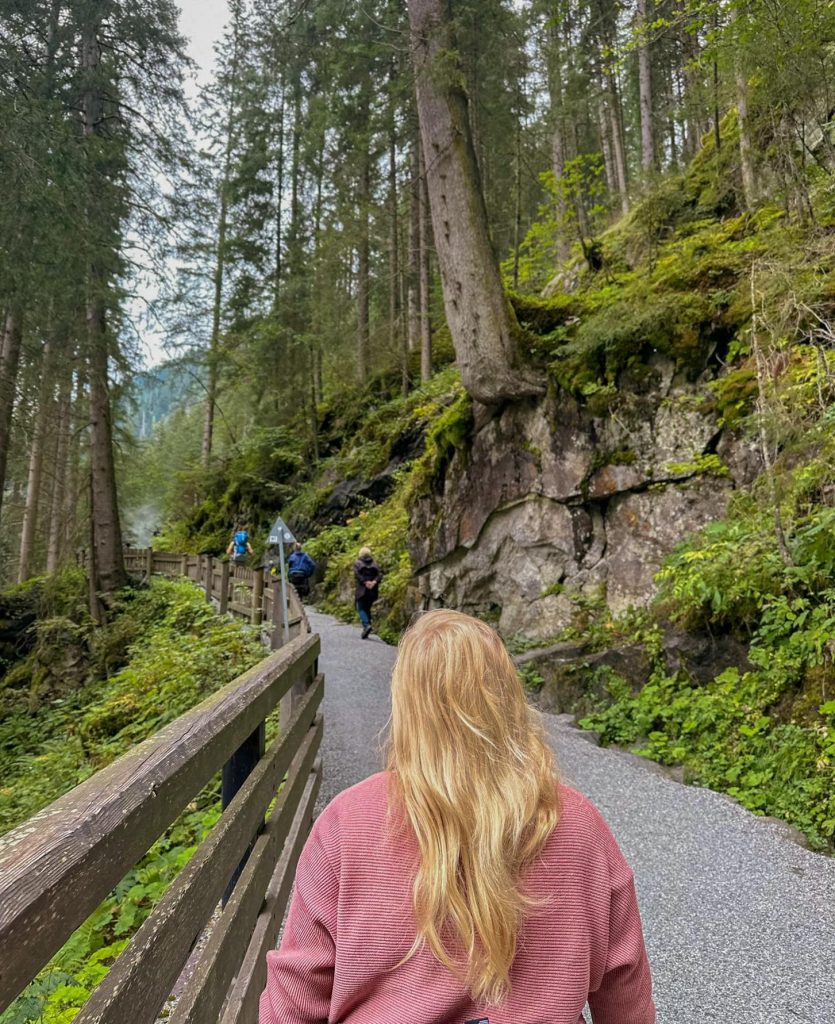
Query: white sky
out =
(202, 23)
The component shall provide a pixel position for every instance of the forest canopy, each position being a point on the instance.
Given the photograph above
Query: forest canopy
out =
(283, 219)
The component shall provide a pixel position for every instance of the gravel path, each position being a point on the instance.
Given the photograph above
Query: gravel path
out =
(740, 922)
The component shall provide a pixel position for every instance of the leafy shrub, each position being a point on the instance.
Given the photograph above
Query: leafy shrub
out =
(179, 652)
(729, 736)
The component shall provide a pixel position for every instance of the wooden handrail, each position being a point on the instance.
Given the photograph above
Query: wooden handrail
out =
(59, 865)
(144, 975)
(221, 584)
(111, 833)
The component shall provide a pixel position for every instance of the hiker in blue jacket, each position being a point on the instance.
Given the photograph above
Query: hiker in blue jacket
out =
(300, 567)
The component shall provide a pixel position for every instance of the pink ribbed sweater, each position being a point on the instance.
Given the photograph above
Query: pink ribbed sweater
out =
(351, 922)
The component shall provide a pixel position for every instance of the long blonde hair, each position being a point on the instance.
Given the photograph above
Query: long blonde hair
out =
(476, 779)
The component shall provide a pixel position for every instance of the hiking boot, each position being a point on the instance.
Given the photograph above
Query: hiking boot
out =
(365, 632)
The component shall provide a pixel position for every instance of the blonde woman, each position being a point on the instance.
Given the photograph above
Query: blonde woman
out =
(465, 884)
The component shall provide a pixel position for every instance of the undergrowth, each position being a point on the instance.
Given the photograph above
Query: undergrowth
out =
(384, 527)
(174, 651)
(764, 734)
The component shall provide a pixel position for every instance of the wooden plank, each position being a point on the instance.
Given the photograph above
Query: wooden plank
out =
(58, 866)
(242, 1005)
(257, 599)
(143, 976)
(204, 996)
(224, 587)
(235, 772)
(244, 574)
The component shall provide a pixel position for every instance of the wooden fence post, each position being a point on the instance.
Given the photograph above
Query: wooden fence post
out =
(184, 566)
(276, 638)
(257, 598)
(235, 773)
(207, 576)
(149, 562)
(224, 587)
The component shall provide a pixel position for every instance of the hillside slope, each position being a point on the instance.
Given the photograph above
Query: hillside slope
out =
(663, 516)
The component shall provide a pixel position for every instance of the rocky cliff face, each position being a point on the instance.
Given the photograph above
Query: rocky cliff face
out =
(551, 504)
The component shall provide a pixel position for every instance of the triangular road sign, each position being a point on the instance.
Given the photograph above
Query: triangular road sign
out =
(280, 534)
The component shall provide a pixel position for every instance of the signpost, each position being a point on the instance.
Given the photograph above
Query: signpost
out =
(279, 536)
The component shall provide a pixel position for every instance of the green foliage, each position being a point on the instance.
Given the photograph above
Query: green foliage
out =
(734, 394)
(621, 457)
(255, 478)
(439, 414)
(178, 652)
(531, 678)
(450, 433)
(557, 225)
(702, 465)
(730, 735)
(766, 736)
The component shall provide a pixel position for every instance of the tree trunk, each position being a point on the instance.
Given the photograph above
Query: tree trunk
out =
(606, 148)
(413, 288)
(109, 574)
(317, 238)
(72, 492)
(558, 136)
(218, 275)
(483, 327)
(694, 100)
(618, 151)
(55, 538)
(717, 116)
(517, 206)
(36, 458)
(279, 202)
(106, 526)
(394, 264)
(12, 340)
(749, 181)
(213, 357)
(425, 235)
(645, 88)
(364, 266)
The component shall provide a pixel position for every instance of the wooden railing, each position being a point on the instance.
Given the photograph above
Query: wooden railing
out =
(57, 867)
(234, 588)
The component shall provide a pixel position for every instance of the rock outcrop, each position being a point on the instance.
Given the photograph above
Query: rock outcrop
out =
(552, 506)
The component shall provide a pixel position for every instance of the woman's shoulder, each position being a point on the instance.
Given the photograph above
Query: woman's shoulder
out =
(581, 826)
(355, 810)
(359, 817)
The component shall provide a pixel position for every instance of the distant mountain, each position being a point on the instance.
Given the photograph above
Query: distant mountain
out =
(157, 393)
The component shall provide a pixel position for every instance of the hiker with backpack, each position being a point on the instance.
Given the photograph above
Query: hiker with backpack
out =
(300, 567)
(367, 577)
(239, 547)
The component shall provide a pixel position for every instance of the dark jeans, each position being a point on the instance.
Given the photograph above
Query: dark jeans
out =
(301, 583)
(364, 609)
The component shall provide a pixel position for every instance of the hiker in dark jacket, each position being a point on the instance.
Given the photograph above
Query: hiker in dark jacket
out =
(367, 575)
(300, 567)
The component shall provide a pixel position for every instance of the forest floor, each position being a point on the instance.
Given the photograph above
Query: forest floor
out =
(739, 920)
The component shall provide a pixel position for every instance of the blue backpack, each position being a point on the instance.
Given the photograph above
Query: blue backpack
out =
(241, 540)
